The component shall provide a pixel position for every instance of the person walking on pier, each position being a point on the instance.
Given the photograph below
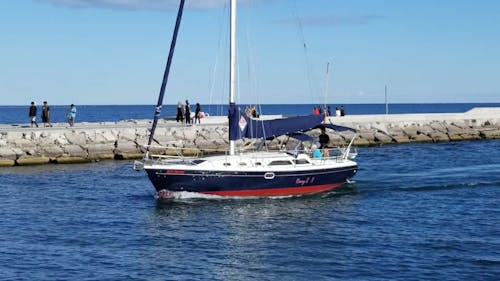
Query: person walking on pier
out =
(180, 115)
(197, 113)
(187, 112)
(72, 115)
(46, 115)
(32, 114)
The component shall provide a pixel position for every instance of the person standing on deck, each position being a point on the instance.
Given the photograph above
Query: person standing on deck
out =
(32, 114)
(324, 139)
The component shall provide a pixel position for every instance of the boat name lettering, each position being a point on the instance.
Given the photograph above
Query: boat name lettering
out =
(303, 182)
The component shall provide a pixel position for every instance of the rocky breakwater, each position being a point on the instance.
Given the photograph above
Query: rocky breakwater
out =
(87, 142)
(475, 124)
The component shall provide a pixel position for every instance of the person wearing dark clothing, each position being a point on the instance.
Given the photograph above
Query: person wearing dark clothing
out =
(46, 115)
(329, 111)
(197, 113)
(254, 112)
(188, 113)
(324, 139)
(180, 116)
(32, 114)
(342, 111)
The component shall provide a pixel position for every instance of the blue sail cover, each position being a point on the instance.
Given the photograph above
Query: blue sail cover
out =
(241, 126)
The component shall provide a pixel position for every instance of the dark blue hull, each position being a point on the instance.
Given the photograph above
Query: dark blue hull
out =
(231, 183)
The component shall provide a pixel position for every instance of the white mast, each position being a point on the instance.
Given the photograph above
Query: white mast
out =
(232, 62)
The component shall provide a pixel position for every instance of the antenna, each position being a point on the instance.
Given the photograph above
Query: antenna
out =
(326, 84)
(386, 104)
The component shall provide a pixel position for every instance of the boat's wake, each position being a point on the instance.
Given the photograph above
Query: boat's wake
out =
(166, 195)
(368, 187)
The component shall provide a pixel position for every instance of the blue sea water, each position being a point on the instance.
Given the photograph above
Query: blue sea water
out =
(414, 212)
(100, 113)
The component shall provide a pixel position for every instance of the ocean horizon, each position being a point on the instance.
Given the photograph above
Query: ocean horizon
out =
(18, 114)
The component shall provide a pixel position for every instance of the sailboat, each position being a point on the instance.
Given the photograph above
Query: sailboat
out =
(260, 173)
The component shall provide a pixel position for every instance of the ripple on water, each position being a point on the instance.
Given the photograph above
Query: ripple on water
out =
(413, 212)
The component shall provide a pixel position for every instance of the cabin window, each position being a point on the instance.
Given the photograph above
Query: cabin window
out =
(280, 163)
(243, 164)
(258, 164)
(196, 162)
(227, 164)
(301, 161)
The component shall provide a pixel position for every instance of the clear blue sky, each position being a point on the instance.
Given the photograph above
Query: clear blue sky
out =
(114, 52)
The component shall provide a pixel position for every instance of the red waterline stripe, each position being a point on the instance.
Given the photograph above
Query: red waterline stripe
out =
(285, 191)
(175, 172)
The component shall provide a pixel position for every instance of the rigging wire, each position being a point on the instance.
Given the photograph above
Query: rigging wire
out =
(300, 29)
(252, 75)
(222, 25)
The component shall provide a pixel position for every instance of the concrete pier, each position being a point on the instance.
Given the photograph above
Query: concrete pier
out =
(87, 142)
